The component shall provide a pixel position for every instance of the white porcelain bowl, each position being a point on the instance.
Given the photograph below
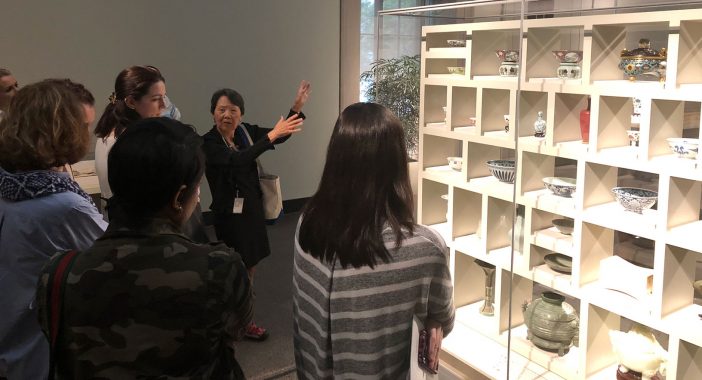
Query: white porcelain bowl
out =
(456, 70)
(455, 163)
(561, 186)
(685, 148)
(635, 199)
(503, 170)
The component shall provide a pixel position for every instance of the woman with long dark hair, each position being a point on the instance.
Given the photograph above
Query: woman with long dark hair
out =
(363, 268)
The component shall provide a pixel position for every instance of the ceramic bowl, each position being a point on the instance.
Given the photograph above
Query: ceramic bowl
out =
(560, 186)
(633, 135)
(635, 199)
(559, 263)
(685, 148)
(698, 286)
(456, 70)
(568, 56)
(456, 43)
(507, 55)
(643, 60)
(502, 170)
(564, 225)
(455, 163)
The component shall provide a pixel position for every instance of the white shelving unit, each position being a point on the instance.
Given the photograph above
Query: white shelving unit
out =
(477, 218)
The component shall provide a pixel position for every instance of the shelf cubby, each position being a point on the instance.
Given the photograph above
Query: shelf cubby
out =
(613, 122)
(434, 208)
(440, 40)
(689, 361)
(608, 40)
(531, 192)
(467, 214)
(690, 53)
(438, 67)
(463, 109)
(668, 121)
(435, 152)
(495, 104)
(484, 61)
(435, 99)
(545, 235)
(683, 216)
(530, 103)
(541, 42)
(566, 119)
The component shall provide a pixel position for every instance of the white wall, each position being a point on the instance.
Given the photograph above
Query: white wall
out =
(261, 48)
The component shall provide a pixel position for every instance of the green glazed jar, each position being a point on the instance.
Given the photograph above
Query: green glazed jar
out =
(552, 324)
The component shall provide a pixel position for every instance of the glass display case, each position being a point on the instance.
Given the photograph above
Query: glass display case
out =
(558, 159)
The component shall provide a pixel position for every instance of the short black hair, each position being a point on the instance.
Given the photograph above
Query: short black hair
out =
(232, 95)
(149, 163)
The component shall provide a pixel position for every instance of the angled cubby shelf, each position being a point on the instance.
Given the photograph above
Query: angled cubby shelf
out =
(439, 159)
(567, 136)
(473, 311)
(689, 361)
(541, 63)
(479, 176)
(671, 122)
(611, 140)
(434, 102)
(445, 68)
(485, 43)
(463, 110)
(684, 224)
(531, 191)
(600, 205)
(690, 54)
(495, 120)
(566, 366)
(608, 40)
(433, 210)
(467, 219)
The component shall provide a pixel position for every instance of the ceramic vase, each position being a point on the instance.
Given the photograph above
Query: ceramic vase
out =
(552, 324)
(585, 123)
(488, 307)
(540, 125)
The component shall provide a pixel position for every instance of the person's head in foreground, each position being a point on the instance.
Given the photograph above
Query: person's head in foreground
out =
(365, 186)
(154, 170)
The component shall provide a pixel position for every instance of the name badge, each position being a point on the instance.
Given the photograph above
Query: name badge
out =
(238, 205)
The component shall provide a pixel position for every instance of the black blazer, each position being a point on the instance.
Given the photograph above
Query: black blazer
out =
(229, 171)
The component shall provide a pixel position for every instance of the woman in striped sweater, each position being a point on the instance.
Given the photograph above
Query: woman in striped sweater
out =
(363, 268)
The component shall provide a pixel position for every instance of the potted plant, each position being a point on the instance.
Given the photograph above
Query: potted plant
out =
(394, 83)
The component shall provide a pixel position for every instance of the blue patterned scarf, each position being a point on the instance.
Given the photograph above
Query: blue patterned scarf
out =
(29, 185)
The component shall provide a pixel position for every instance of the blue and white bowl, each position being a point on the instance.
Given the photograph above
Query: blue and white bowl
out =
(561, 186)
(635, 199)
(685, 148)
(503, 170)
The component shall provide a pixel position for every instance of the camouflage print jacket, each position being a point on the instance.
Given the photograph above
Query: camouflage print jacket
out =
(150, 304)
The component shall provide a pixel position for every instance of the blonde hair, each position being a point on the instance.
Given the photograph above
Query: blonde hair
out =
(44, 128)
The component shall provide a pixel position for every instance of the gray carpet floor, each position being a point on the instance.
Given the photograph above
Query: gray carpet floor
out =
(273, 358)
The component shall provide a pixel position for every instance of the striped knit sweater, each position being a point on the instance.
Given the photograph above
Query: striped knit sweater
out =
(357, 323)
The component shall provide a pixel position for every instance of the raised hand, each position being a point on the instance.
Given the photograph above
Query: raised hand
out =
(303, 94)
(285, 127)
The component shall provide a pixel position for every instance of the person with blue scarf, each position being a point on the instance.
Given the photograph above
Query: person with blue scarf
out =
(42, 210)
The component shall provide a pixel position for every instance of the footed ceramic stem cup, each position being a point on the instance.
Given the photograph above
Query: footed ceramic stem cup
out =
(488, 307)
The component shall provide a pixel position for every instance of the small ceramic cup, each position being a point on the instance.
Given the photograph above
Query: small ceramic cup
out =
(633, 137)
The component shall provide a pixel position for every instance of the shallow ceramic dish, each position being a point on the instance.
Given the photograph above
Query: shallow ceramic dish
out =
(559, 263)
(456, 70)
(561, 186)
(455, 163)
(456, 43)
(564, 225)
(685, 148)
(635, 199)
(503, 170)
(568, 56)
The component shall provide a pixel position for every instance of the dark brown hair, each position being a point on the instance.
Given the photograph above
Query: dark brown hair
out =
(85, 96)
(44, 128)
(133, 81)
(364, 188)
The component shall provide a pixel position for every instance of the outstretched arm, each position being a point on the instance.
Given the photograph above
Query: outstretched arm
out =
(303, 94)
